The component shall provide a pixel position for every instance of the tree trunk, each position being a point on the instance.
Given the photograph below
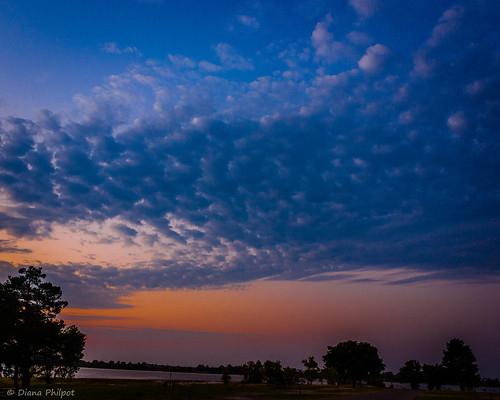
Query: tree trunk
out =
(26, 378)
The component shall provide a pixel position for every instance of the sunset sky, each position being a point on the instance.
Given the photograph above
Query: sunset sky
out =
(214, 182)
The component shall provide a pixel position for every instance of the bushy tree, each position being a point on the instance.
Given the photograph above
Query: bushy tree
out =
(273, 373)
(411, 372)
(33, 340)
(312, 371)
(460, 364)
(354, 361)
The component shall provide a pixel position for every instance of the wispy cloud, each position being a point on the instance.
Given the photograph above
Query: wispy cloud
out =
(248, 21)
(113, 48)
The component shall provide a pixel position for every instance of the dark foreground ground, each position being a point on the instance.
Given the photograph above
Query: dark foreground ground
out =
(90, 389)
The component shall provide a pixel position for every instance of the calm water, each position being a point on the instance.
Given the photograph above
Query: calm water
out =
(103, 373)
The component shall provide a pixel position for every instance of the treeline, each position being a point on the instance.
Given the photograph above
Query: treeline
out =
(143, 366)
(348, 362)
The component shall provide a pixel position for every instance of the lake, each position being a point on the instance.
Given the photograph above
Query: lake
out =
(104, 373)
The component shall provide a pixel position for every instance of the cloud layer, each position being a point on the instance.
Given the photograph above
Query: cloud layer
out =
(381, 159)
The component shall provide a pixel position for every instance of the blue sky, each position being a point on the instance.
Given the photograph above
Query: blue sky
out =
(153, 145)
(52, 50)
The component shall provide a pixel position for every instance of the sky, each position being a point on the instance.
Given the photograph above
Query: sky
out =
(212, 182)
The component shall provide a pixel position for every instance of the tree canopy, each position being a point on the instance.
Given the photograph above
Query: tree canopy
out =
(354, 361)
(460, 364)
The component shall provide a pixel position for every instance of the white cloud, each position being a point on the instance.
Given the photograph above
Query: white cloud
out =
(364, 8)
(181, 61)
(249, 21)
(323, 42)
(476, 87)
(209, 67)
(374, 58)
(230, 59)
(113, 48)
(422, 66)
(457, 122)
(447, 23)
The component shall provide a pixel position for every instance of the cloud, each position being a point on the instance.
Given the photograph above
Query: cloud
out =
(9, 246)
(422, 65)
(457, 122)
(448, 23)
(364, 8)
(229, 59)
(209, 67)
(359, 38)
(249, 21)
(113, 48)
(374, 59)
(326, 48)
(181, 61)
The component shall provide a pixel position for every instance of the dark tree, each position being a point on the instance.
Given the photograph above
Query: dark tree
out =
(312, 371)
(330, 375)
(9, 310)
(273, 373)
(253, 372)
(411, 372)
(434, 375)
(460, 364)
(354, 361)
(33, 339)
(291, 376)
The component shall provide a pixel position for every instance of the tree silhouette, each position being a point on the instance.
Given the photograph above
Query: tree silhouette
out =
(354, 361)
(273, 372)
(330, 375)
(411, 372)
(253, 372)
(434, 375)
(460, 364)
(312, 371)
(33, 339)
(291, 376)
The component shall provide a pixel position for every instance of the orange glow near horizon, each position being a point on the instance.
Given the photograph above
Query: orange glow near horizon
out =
(388, 315)
(271, 306)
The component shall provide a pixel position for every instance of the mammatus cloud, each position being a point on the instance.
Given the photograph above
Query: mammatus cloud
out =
(326, 168)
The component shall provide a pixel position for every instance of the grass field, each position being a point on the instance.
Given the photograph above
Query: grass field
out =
(96, 389)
